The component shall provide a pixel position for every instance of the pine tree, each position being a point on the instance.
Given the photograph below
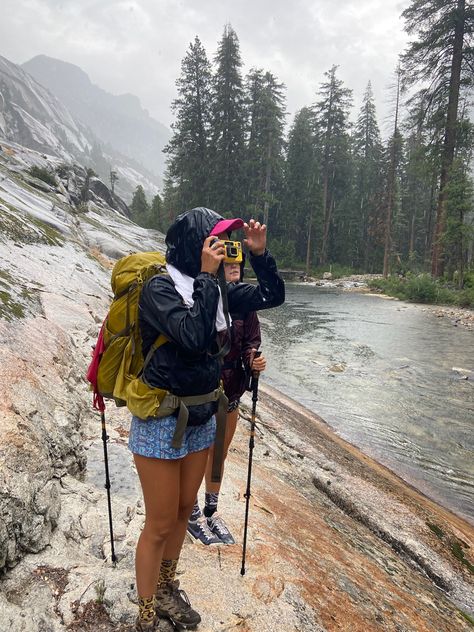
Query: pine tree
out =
(228, 125)
(188, 149)
(459, 233)
(85, 190)
(394, 153)
(264, 151)
(171, 203)
(424, 126)
(368, 153)
(113, 177)
(139, 208)
(301, 192)
(332, 134)
(156, 215)
(442, 57)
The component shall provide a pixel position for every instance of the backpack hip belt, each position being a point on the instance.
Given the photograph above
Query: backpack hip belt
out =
(181, 403)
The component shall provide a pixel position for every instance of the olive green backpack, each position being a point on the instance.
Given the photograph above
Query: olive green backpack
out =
(122, 361)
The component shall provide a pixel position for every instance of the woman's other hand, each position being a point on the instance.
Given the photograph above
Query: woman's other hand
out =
(258, 364)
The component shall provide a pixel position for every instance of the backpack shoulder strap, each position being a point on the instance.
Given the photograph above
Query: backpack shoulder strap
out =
(162, 339)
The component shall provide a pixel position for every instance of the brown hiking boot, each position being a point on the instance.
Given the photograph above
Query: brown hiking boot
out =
(173, 603)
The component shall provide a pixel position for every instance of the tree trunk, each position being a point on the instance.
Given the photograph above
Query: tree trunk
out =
(411, 248)
(322, 258)
(327, 226)
(268, 177)
(308, 243)
(437, 260)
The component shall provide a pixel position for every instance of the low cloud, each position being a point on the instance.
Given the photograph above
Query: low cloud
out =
(136, 46)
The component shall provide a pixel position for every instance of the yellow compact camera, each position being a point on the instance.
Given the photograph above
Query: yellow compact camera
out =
(233, 252)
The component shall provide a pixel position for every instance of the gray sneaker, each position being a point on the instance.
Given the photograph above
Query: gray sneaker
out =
(173, 603)
(219, 528)
(200, 530)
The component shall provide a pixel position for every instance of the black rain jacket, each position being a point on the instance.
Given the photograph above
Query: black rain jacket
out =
(185, 365)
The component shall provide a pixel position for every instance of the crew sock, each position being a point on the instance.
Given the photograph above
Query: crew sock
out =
(146, 609)
(167, 572)
(210, 507)
(196, 512)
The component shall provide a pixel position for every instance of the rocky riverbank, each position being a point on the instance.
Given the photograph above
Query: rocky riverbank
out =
(458, 316)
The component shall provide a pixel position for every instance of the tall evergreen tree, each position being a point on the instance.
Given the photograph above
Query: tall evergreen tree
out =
(139, 208)
(266, 108)
(171, 202)
(332, 134)
(423, 162)
(228, 125)
(368, 153)
(441, 56)
(301, 191)
(459, 232)
(156, 215)
(394, 154)
(188, 149)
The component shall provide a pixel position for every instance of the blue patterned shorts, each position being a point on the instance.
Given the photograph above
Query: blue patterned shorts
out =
(153, 437)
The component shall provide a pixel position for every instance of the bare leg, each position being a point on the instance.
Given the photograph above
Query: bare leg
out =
(231, 425)
(191, 474)
(159, 479)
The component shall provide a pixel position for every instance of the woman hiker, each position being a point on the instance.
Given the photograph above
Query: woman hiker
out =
(239, 363)
(187, 308)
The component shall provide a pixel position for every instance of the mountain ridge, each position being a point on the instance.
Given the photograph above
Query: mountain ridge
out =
(32, 116)
(119, 120)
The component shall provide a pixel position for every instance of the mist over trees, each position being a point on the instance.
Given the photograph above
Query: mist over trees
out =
(331, 190)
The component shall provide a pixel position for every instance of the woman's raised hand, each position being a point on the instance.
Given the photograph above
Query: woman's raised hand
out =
(255, 237)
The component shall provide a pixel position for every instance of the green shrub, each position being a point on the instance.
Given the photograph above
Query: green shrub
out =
(393, 286)
(469, 279)
(465, 298)
(43, 174)
(421, 289)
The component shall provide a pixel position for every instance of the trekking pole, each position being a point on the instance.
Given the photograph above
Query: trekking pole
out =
(254, 386)
(107, 484)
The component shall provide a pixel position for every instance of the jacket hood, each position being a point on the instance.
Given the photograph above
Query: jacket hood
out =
(185, 238)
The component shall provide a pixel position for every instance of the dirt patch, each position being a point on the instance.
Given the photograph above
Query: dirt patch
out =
(93, 617)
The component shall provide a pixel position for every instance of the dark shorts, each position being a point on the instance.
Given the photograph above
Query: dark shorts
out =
(153, 437)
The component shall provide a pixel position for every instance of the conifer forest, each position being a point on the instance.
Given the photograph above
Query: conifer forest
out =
(332, 190)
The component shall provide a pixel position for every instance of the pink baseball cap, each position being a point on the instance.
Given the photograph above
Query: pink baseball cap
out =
(226, 225)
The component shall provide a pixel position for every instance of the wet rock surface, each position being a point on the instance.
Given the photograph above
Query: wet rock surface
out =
(335, 541)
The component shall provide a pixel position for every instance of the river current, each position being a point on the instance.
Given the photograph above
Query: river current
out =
(381, 374)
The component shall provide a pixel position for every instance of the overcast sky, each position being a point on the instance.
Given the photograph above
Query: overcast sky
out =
(136, 46)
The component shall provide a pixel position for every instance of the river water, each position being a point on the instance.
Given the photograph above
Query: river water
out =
(380, 372)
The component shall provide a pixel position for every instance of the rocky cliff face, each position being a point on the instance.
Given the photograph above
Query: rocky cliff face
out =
(119, 121)
(336, 542)
(50, 250)
(31, 116)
